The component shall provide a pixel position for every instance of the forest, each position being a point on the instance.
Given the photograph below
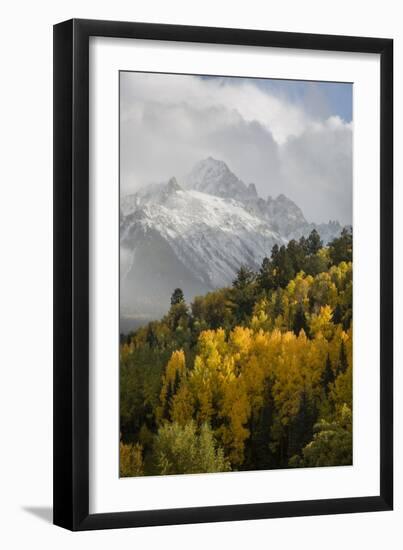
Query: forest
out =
(254, 376)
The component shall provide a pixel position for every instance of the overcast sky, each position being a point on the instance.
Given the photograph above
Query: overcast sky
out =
(289, 137)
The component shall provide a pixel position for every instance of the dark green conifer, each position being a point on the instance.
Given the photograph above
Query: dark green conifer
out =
(327, 375)
(177, 297)
(300, 322)
(342, 363)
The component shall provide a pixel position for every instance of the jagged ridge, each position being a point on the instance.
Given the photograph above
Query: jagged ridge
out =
(197, 235)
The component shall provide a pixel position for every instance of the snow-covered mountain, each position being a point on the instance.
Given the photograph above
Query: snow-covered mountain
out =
(196, 235)
(284, 216)
(214, 177)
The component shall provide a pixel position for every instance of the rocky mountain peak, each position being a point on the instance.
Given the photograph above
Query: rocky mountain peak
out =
(252, 189)
(196, 236)
(173, 185)
(214, 177)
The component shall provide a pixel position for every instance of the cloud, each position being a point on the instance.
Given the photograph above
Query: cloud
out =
(170, 122)
(317, 170)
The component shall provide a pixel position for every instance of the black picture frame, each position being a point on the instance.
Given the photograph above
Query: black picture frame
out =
(71, 274)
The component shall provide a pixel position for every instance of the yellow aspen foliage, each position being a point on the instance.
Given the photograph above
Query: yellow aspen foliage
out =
(203, 383)
(323, 291)
(321, 323)
(240, 341)
(342, 391)
(340, 338)
(341, 274)
(314, 361)
(130, 460)
(259, 374)
(236, 410)
(227, 383)
(261, 318)
(174, 372)
(298, 288)
(280, 323)
(211, 341)
(288, 384)
(182, 406)
(124, 351)
(348, 342)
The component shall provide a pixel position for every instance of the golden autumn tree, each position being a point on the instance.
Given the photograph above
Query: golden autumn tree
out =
(257, 375)
(174, 372)
(131, 460)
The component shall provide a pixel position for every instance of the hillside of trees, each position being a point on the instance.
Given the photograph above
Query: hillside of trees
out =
(254, 376)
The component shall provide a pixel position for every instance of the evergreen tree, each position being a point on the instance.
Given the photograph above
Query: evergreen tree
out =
(244, 277)
(296, 254)
(303, 244)
(178, 313)
(332, 443)
(244, 293)
(327, 375)
(315, 264)
(172, 389)
(337, 314)
(300, 430)
(151, 337)
(282, 268)
(278, 304)
(176, 383)
(341, 248)
(265, 275)
(257, 449)
(342, 363)
(300, 322)
(314, 243)
(168, 402)
(177, 297)
(274, 252)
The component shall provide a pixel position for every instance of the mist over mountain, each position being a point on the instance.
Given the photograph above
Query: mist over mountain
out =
(195, 234)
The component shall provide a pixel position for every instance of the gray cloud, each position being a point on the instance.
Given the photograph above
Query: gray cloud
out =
(170, 122)
(317, 171)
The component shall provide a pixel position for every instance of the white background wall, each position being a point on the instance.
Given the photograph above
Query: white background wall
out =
(26, 272)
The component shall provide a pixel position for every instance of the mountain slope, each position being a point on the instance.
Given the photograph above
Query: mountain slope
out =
(197, 236)
(177, 237)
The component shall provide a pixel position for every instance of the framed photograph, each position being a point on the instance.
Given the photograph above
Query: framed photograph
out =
(223, 218)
